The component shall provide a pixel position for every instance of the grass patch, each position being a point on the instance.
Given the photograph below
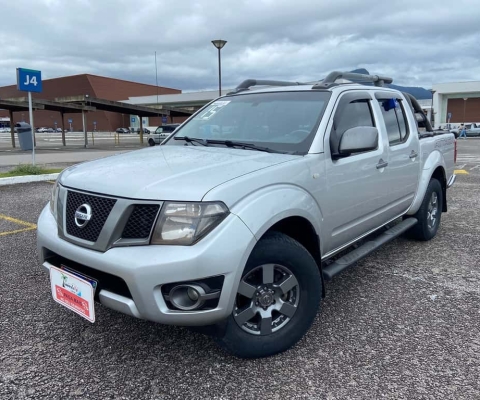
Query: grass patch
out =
(27, 169)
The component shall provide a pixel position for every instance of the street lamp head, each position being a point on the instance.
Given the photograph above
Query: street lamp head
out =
(219, 43)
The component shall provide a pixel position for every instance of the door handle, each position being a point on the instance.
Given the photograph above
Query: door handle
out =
(382, 164)
(413, 154)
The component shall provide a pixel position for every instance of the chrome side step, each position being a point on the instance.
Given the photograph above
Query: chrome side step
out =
(364, 250)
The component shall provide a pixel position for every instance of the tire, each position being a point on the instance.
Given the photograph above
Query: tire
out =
(151, 142)
(253, 339)
(426, 228)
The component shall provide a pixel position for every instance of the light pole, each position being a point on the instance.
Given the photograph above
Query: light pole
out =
(219, 45)
(464, 107)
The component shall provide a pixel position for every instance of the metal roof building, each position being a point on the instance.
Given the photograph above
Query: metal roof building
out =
(98, 87)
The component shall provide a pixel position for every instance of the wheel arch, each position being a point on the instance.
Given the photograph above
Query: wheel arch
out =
(301, 229)
(434, 168)
(286, 209)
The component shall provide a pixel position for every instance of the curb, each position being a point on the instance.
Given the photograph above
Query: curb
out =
(27, 179)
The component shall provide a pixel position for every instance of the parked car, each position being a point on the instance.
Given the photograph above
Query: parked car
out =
(472, 130)
(161, 133)
(239, 231)
(123, 130)
(145, 131)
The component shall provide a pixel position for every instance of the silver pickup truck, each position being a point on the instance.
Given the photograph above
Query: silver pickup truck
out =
(252, 204)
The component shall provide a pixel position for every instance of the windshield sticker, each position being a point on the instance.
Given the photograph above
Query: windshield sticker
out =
(213, 109)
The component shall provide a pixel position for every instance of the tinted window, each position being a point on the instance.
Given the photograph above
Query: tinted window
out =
(350, 115)
(395, 120)
(402, 121)
(356, 113)
(166, 129)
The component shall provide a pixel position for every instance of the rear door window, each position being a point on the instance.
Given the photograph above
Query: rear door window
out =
(395, 120)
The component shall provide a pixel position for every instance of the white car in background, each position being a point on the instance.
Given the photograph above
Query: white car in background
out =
(161, 133)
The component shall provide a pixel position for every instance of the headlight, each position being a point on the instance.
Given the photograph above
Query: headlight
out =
(53, 199)
(186, 223)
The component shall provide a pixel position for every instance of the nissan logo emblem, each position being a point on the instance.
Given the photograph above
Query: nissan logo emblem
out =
(83, 215)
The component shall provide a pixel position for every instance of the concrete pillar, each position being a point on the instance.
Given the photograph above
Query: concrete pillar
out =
(12, 128)
(429, 114)
(141, 129)
(84, 121)
(63, 128)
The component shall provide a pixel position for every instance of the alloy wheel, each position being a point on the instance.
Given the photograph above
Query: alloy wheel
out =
(267, 299)
(432, 211)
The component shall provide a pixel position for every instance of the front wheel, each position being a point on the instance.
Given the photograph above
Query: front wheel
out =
(277, 299)
(430, 213)
(151, 142)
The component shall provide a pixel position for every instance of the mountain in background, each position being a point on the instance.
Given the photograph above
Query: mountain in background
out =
(418, 92)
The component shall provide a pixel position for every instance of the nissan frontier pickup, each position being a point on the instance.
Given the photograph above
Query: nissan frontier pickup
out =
(248, 209)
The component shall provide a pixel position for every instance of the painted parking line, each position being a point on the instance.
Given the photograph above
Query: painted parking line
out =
(460, 172)
(27, 225)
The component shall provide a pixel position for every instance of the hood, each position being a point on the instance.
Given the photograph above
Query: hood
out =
(184, 173)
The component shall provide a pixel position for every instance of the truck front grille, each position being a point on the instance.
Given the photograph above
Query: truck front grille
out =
(141, 220)
(101, 208)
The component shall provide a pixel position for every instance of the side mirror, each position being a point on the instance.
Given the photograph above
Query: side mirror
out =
(358, 139)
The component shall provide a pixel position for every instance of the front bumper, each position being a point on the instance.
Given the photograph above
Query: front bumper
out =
(146, 268)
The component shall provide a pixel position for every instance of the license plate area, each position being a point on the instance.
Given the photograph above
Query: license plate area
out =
(74, 291)
(105, 280)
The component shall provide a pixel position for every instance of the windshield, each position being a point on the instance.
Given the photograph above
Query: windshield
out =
(282, 121)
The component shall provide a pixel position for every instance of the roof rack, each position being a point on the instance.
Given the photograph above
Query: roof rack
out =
(247, 84)
(332, 77)
(329, 81)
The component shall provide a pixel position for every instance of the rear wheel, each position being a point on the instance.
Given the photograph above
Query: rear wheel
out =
(276, 301)
(430, 213)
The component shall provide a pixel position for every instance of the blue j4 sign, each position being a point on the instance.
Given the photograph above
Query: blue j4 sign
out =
(29, 80)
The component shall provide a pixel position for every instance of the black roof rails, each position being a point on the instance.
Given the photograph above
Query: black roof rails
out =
(246, 84)
(332, 77)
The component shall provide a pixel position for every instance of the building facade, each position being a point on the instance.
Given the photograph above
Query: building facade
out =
(85, 84)
(456, 102)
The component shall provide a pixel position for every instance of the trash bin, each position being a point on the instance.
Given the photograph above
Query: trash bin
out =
(24, 133)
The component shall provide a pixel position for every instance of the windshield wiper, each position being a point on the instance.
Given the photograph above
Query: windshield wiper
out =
(192, 140)
(231, 143)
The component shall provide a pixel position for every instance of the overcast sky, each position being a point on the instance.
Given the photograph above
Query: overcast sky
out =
(417, 42)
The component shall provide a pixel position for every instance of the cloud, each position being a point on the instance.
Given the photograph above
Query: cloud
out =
(417, 43)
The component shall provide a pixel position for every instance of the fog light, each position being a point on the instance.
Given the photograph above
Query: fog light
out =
(193, 294)
(187, 297)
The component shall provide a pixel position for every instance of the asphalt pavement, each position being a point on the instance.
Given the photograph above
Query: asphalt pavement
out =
(403, 324)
